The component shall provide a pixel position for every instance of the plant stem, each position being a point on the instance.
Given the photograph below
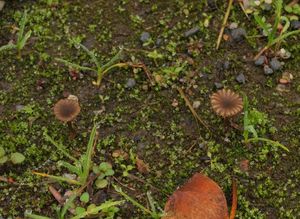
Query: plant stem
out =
(268, 141)
(224, 23)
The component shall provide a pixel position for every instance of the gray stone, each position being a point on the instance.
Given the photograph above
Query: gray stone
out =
(268, 70)
(145, 36)
(2, 3)
(196, 104)
(158, 42)
(241, 78)
(295, 25)
(218, 85)
(260, 60)
(191, 32)
(19, 107)
(275, 64)
(226, 65)
(130, 83)
(238, 34)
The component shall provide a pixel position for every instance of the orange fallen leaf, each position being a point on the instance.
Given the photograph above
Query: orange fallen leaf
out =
(199, 198)
(142, 166)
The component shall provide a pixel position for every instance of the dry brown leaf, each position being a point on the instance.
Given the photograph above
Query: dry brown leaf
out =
(199, 198)
(142, 166)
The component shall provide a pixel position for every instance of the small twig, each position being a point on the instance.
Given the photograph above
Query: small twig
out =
(146, 70)
(292, 3)
(133, 177)
(122, 184)
(56, 194)
(243, 9)
(224, 23)
(191, 108)
(234, 200)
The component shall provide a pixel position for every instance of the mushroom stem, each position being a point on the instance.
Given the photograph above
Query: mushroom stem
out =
(72, 130)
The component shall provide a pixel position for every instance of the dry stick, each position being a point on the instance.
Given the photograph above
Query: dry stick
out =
(292, 3)
(224, 23)
(243, 9)
(191, 108)
(234, 200)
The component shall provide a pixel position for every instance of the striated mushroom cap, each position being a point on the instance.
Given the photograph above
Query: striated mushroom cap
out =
(226, 103)
(66, 110)
(199, 198)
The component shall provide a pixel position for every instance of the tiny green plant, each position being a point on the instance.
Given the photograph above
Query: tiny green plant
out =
(251, 120)
(78, 212)
(155, 212)
(271, 30)
(22, 37)
(100, 69)
(15, 158)
(81, 167)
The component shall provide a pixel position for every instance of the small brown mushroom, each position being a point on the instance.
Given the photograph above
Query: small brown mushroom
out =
(66, 110)
(226, 103)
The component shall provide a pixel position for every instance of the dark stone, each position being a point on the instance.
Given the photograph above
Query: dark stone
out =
(260, 60)
(205, 158)
(100, 197)
(130, 83)
(137, 138)
(191, 32)
(145, 36)
(212, 4)
(238, 34)
(158, 42)
(19, 107)
(268, 70)
(241, 78)
(275, 64)
(218, 85)
(226, 65)
(295, 25)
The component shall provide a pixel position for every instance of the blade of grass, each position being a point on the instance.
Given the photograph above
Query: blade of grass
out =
(275, 143)
(73, 65)
(57, 178)
(134, 202)
(97, 209)
(35, 216)
(23, 41)
(7, 47)
(22, 27)
(113, 60)
(87, 160)
(71, 167)
(93, 57)
(278, 39)
(60, 147)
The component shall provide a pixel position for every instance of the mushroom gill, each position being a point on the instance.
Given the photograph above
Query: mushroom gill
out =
(226, 103)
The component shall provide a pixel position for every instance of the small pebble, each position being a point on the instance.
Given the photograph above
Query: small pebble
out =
(275, 64)
(19, 107)
(260, 60)
(130, 83)
(284, 54)
(226, 65)
(196, 104)
(233, 26)
(191, 32)
(241, 78)
(218, 85)
(268, 70)
(282, 88)
(145, 36)
(238, 34)
(295, 25)
(2, 3)
(158, 42)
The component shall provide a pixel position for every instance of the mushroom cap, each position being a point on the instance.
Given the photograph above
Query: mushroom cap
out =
(66, 110)
(226, 103)
(199, 198)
